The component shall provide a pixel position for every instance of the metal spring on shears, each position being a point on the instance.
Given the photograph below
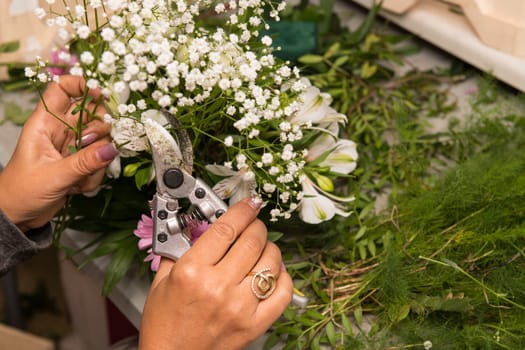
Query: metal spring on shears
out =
(193, 218)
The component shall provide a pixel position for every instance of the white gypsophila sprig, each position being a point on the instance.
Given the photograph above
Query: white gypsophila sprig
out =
(223, 83)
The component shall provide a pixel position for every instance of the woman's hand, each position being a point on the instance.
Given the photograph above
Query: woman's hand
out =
(42, 171)
(205, 299)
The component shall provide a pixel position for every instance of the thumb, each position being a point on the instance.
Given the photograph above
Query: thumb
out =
(87, 161)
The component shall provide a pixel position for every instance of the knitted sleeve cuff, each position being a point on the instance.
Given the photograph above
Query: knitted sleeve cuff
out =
(17, 246)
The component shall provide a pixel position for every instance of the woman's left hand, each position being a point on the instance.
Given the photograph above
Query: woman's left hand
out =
(42, 171)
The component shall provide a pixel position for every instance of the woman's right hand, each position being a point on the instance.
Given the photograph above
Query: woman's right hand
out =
(205, 299)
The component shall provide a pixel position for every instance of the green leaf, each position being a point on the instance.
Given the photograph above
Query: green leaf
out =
(360, 233)
(332, 50)
(372, 247)
(310, 59)
(15, 114)
(142, 177)
(362, 249)
(131, 169)
(274, 236)
(340, 61)
(358, 315)
(330, 333)
(316, 343)
(403, 312)
(271, 341)
(347, 324)
(77, 109)
(10, 46)
(368, 70)
(314, 314)
(370, 40)
(120, 264)
(327, 8)
(366, 210)
(365, 27)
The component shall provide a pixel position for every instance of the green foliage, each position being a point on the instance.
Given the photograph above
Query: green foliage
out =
(10, 46)
(443, 262)
(16, 78)
(111, 217)
(14, 113)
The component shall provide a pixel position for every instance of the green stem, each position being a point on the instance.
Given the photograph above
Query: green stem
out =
(482, 285)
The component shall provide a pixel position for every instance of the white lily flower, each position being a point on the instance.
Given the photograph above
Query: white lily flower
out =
(114, 168)
(237, 185)
(117, 94)
(154, 114)
(342, 157)
(317, 206)
(129, 136)
(316, 108)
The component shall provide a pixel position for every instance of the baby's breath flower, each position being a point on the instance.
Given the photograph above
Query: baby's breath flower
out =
(108, 34)
(266, 40)
(79, 11)
(39, 12)
(92, 83)
(83, 31)
(156, 55)
(43, 77)
(29, 72)
(87, 57)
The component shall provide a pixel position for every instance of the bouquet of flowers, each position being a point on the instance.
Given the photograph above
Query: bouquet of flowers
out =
(258, 127)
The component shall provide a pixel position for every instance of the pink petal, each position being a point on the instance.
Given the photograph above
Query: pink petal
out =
(198, 230)
(145, 243)
(155, 260)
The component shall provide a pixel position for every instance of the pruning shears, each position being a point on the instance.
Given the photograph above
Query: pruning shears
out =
(173, 164)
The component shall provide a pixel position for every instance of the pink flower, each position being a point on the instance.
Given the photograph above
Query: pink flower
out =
(61, 61)
(144, 231)
(197, 228)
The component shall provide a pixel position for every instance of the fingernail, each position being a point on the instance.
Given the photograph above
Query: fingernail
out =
(283, 267)
(107, 152)
(88, 139)
(73, 190)
(255, 202)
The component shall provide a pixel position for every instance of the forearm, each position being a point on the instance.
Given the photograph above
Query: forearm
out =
(17, 246)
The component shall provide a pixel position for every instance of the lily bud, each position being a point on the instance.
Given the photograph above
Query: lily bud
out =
(131, 169)
(324, 182)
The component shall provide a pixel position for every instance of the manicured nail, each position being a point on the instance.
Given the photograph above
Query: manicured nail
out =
(88, 139)
(255, 203)
(107, 152)
(73, 190)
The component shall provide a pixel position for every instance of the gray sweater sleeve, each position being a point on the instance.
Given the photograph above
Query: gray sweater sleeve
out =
(16, 246)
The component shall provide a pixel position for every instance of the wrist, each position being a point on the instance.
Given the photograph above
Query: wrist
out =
(6, 205)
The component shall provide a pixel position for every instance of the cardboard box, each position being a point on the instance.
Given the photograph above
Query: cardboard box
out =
(12, 338)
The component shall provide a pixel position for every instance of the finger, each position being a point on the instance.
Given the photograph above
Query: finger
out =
(91, 112)
(215, 242)
(94, 131)
(57, 96)
(91, 182)
(86, 161)
(165, 267)
(252, 246)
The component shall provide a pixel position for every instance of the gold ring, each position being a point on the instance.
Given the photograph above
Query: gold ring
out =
(263, 283)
